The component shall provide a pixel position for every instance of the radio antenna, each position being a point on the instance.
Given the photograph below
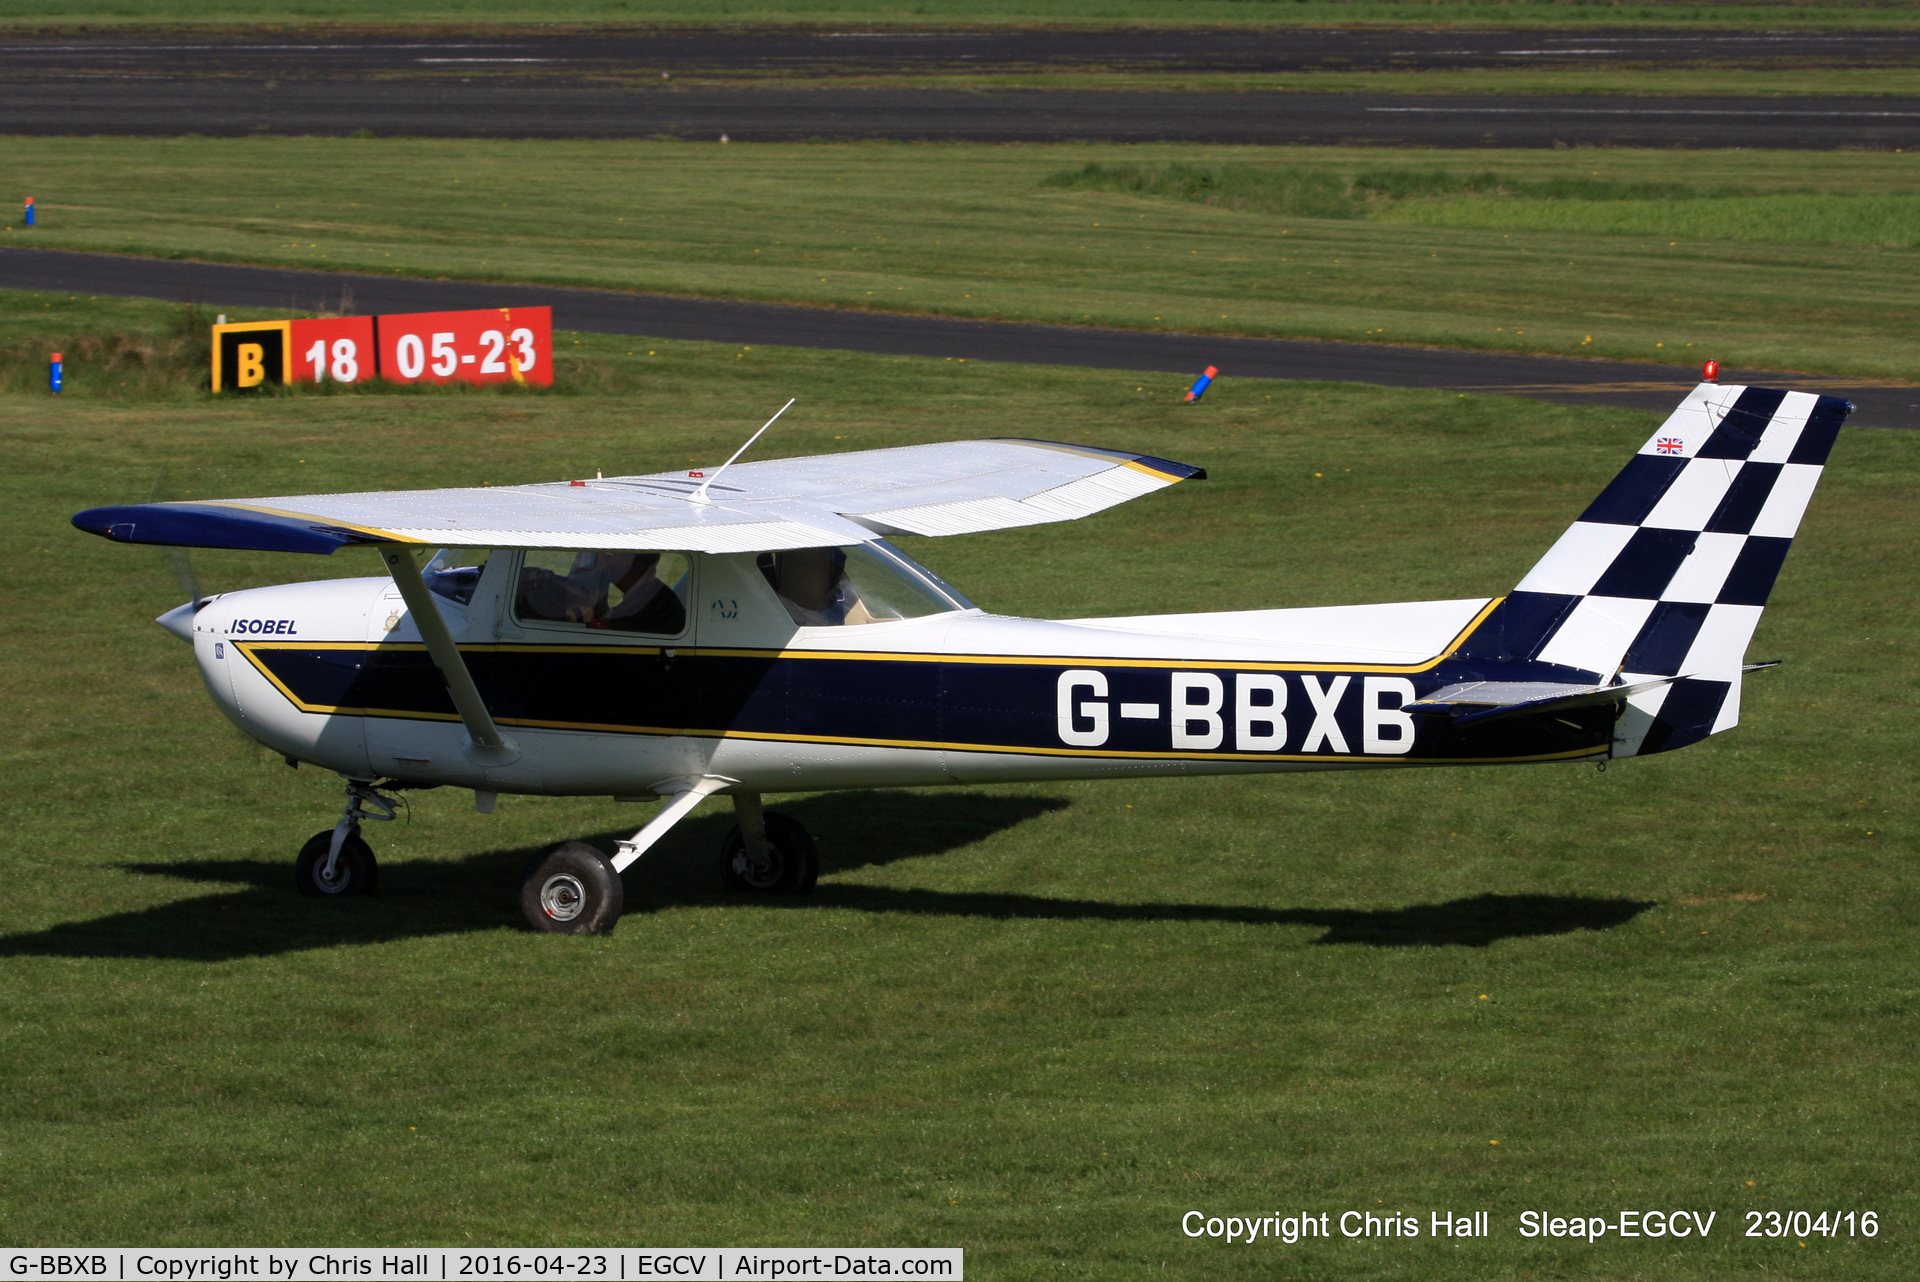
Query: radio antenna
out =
(700, 495)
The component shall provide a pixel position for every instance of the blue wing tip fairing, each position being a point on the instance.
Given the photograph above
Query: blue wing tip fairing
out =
(197, 525)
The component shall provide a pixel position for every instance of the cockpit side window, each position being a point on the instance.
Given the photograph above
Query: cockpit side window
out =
(643, 592)
(454, 573)
(846, 586)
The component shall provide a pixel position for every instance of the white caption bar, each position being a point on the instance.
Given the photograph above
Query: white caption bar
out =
(411, 1264)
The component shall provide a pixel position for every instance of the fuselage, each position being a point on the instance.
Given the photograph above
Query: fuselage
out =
(335, 673)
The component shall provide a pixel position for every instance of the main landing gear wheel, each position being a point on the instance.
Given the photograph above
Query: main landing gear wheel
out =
(572, 889)
(353, 873)
(791, 864)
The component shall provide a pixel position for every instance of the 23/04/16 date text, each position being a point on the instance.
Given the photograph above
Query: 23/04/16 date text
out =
(1804, 1224)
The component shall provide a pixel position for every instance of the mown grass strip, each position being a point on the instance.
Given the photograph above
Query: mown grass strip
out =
(1320, 192)
(1591, 205)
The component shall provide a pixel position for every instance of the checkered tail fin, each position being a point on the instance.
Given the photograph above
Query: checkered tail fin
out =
(1666, 573)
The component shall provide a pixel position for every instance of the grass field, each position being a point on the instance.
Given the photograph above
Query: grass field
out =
(1038, 1022)
(1763, 14)
(976, 231)
(1463, 195)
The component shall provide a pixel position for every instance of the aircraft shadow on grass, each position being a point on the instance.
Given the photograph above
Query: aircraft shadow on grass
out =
(421, 898)
(1472, 923)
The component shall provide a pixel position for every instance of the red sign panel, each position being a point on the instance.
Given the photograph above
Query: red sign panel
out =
(337, 350)
(498, 345)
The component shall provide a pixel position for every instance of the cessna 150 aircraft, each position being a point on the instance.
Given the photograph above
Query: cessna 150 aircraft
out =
(751, 631)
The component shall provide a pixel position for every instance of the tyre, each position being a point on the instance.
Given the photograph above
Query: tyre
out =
(572, 889)
(791, 867)
(354, 873)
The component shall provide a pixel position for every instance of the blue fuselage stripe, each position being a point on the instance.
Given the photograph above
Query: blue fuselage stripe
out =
(984, 706)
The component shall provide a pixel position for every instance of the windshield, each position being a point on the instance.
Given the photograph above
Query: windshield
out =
(863, 583)
(455, 572)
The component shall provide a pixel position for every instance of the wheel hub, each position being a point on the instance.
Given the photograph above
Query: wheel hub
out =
(562, 897)
(758, 873)
(334, 882)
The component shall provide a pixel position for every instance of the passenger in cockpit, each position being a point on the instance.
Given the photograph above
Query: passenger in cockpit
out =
(646, 604)
(618, 590)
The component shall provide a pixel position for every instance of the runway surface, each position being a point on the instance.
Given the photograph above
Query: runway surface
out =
(1560, 379)
(540, 108)
(757, 51)
(620, 84)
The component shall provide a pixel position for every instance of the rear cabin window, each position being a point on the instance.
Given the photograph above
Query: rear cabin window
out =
(864, 583)
(643, 592)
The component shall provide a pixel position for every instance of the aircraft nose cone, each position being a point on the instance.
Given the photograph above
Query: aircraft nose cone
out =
(179, 620)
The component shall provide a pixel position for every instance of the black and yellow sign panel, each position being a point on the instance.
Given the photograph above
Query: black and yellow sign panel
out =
(251, 355)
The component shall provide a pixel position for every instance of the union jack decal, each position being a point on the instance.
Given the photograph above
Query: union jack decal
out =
(1669, 445)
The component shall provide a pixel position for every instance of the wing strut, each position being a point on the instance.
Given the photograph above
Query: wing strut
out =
(486, 746)
(687, 792)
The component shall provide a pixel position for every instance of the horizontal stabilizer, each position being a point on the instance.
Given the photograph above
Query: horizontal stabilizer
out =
(1482, 700)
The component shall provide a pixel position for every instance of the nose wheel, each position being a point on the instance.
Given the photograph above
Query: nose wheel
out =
(353, 872)
(338, 861)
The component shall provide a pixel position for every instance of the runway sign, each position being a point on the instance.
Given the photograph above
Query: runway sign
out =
(497, 345)
(250, 355)
(337, 350)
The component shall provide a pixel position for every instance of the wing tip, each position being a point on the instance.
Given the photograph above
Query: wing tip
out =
(196, 525)
(1149, 462)
(1171, 470)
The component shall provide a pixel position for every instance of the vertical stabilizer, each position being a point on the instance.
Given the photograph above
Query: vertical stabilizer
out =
(1666, 572)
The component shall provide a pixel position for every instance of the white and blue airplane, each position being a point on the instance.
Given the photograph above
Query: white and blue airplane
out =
(749, 630)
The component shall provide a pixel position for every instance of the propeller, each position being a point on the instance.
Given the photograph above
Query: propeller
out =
(178, 620)
(183, 571)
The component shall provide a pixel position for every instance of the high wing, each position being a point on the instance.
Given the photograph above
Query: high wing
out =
(956, 487)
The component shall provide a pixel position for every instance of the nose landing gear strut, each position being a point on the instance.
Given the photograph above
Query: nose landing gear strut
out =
(338, 861)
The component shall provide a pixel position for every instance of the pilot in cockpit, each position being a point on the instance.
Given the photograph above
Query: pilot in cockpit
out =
(812, 583)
